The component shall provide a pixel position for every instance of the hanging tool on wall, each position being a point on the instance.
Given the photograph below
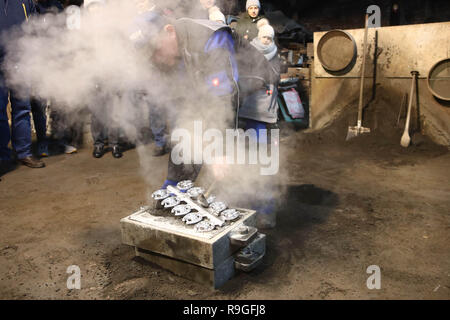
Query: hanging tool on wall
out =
(406, 139)
(359, 129)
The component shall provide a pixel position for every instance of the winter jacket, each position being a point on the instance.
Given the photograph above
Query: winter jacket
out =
(258, 83)
(246, 26)
(13, 13)
(207, 50)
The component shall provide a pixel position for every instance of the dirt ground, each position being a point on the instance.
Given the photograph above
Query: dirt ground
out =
(348, 206)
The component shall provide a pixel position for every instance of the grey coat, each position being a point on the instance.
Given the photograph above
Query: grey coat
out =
(258, 83)
(261, 106)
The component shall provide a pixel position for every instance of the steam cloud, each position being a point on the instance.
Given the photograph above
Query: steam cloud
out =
(98, 64)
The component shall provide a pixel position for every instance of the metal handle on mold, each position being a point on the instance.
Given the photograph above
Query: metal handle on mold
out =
(247, 267)
(242, 235)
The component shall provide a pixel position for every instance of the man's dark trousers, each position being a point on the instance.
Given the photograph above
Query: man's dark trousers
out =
(103, 127)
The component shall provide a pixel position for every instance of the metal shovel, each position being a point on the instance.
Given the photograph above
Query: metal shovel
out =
(406, 139)
(359, 129)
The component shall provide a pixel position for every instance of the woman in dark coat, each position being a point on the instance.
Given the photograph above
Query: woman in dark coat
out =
(259, 80)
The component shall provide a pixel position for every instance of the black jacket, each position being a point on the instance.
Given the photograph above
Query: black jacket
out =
(49, 6)
(246, 26)
(193, 37)
(13, 13)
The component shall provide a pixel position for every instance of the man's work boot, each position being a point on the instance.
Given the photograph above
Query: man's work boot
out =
(116, 152)
(32, 162)
(99, 151)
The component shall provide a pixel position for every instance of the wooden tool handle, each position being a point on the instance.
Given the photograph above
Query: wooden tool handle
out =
(363, 71)
(408, 116)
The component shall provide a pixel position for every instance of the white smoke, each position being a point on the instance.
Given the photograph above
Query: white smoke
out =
(74, 67)
(98, 64)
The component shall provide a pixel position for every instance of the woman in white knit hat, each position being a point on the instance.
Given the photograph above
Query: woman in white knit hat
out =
(246, 25)
(264, 42)
(260, 103)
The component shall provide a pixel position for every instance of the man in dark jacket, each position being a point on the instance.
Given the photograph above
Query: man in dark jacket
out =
(12, 14)
(199, 54)
(246, 25)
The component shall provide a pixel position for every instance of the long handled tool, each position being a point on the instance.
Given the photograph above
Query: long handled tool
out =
(406, 140)
(359, 129)
(404, 100)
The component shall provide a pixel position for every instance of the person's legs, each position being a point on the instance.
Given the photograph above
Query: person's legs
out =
(180, 172)
(39, 119)
(58, 125)
(113, 133)
(76, 133)
(98, 135)
(265, 205)
(21, 131)
(158, 125)
(264, 201)
(257, 126)
(97, 130)
(21, 126)
(40, 124)
(113, 138)
(5, 133)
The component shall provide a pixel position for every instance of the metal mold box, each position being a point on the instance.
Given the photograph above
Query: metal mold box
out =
(166, 235)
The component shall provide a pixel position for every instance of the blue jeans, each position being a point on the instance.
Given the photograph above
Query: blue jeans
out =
(264, 201)
(257, 126)
(20, 133)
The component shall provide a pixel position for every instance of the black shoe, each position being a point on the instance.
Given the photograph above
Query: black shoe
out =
(116, 152)
(32, 162)
(99, 151)
(159, 151)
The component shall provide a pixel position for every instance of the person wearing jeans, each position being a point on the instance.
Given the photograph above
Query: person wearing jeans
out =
(12, 15)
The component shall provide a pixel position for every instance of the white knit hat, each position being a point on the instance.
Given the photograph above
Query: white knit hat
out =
(262, 22)
(266, 31)
(216, 15)
(252, 3)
